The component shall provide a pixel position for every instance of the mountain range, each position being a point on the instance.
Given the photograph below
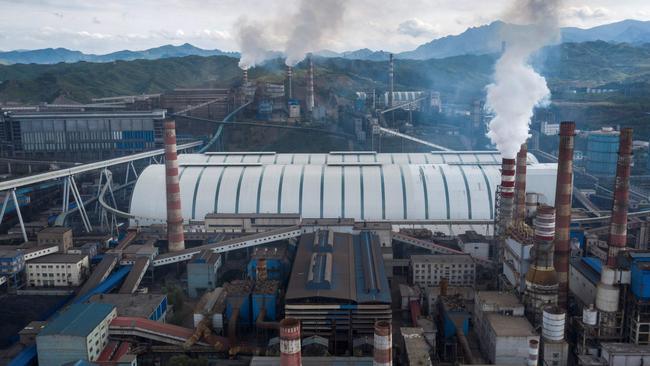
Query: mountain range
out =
(485, 39)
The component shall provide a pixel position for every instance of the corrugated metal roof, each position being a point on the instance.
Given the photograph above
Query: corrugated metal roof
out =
(78, 320)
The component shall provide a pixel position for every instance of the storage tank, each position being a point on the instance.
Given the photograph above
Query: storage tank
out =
(590, 316)
(553, 320)
(602, 151)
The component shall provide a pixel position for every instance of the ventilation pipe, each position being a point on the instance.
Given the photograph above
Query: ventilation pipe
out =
(520, 185)
(563, 195)
(382, 354)
(290, 342)
(175, 237)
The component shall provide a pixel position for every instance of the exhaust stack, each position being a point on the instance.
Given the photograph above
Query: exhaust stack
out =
(290, 342)
(310, 87)
(520, 185)
(391, 80)
(175, 236)
(618, 225)
(383, 343)
(506, 200)
(245, 76)
(563, 195)
(290, 81)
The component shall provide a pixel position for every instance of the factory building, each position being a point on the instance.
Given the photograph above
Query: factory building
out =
(57, 270)
(429, 270)
(12, 263)
(78, 134)
(148, 306)
(338, 286)
(213, 103)
(364, 186)
(61, 236)
(505, 339)
(602, 151)
(78, 333)
(202, 272)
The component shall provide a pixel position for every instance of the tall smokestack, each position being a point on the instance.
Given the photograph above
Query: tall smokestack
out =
(290, 342)
(245, 76)
(563, 194)
(383, 354)
(310, 86)
(541, 278)
(391, 80)
(290, 81)
(175, 237)
(520, 185)
(618, 225)
(506, 198)
(533, 352)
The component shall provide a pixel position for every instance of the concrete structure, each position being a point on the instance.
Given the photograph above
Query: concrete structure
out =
(602, 147)
(251, 223)
(618, 224)
(61, 236)
(383, 344)
(416, 347)
(309, 101)
(148, 306)
(428, 270)
(505, 200)
(416, 187)
(625, 354)
(78, 333)
(202, 272)
(290, 342)
(516, 256)
(475, 244)
(56, 270)
(175, 239)
(214, 103)
(494, 302)
(520, 185)
(505, 340)
(78, 133)
(564, 192)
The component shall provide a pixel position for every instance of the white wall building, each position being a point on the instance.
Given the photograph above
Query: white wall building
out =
(429, 269)
(57, 270)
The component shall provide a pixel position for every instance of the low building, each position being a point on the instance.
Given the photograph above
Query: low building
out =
(475, 244)
(78, 333)
(433, 293)
(148, 306)
(429, 269)
(61, 236)
(248, 223)
(516, 255)
(584, 275)
(505, 339)
(12, 262)
(494, 302)
(57, 270)
(416, 346)
(618, 354)
(202, 272)
(90, 249)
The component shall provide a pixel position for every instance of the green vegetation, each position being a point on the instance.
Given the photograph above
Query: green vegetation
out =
(176, 299)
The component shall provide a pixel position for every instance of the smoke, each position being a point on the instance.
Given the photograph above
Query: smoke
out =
(517, 87)
(312, 26)
(308, 30)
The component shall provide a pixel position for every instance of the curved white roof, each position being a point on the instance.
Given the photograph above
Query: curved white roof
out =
(364, 191)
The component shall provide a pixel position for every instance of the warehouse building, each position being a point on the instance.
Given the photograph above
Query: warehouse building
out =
(57, 270)
(148, 306)
(78, 333)
(56, 235)
(338, 286)
(398, 188)
(429, 269)
(78, 133)
(202, 272)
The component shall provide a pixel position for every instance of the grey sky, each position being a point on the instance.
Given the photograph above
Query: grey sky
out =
(110, 25)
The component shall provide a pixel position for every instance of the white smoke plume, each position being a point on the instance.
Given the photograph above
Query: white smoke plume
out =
(517, 87)
(312, 26)
(254, 45)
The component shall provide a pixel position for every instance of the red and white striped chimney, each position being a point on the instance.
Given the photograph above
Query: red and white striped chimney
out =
(383, 350)
(175, 238)
(310, 86)
(618, 224)
(506, 199)
(520, 184)
(290, 342)
(563, 196)
(533, 352)
(290, 82)
(245, 76)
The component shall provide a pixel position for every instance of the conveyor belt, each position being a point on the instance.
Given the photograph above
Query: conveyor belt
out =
(435, 248)
(228, 245)
(149, 329)
(99, 274)
(134, 278)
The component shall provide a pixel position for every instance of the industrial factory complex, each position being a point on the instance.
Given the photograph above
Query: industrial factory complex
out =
(156, 245)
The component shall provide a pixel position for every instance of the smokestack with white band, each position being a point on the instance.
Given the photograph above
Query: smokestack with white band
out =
(290, 342)
(310, 86)
(290, 81)
(175, 236)
(520, 185)
(382, 353)
(618, 225)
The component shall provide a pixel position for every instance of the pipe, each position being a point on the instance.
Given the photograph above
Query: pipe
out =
(175, 237)
(520, 184)
(290, 81)
(310, 87)
(290, 342)
(563, 192)
(260, 323)
(464, 344)
(383, 343)
(618, 225)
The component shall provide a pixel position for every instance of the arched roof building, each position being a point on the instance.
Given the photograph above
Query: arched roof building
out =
(400, 188)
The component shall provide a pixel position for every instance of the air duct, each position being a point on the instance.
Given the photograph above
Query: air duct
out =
(175, 236)
(290, 342)
(520, 185)
(618, 225)
(563, 195)
(383, 344)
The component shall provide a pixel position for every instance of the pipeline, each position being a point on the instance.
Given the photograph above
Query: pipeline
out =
(260, 323)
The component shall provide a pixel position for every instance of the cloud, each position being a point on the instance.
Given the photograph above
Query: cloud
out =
(586, 12)
(96, 20)
(417, 28)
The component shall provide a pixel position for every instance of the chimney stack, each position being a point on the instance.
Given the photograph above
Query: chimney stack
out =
(533, 352)
(506, 199)
(541, 278)
(245, 76)
(563, 195)
(391, 80)
(290, 81)
(618, 225)
(175, 237)
(310, 86)
(520, 185)
(290, 342)
(383, 354)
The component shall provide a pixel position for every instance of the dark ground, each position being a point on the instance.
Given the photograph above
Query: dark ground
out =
(18, 311)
